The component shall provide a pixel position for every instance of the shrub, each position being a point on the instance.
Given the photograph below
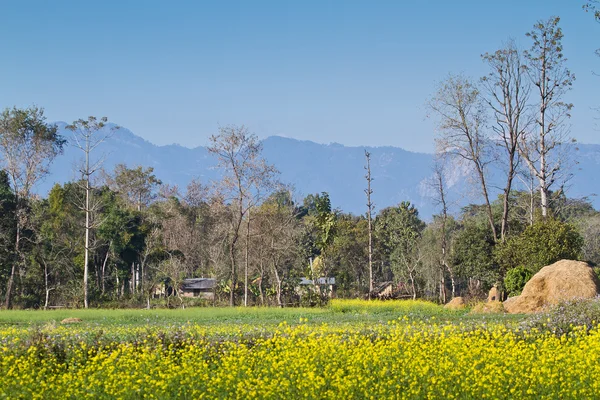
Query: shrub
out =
(540, 244)
(515, 280)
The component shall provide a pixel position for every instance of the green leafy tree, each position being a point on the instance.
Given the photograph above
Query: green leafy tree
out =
(324, 221)
(28, 145)
(120, 241)
(7, 226)
(137, 185)
(437, 271)
(398, 232)
(541, 244)
(347, 255)
(60, 252)
(472, 256)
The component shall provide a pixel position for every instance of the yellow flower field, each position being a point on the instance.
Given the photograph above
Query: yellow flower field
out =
(402, 359)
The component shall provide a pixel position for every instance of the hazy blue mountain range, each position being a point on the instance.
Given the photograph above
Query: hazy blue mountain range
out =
(311, 168)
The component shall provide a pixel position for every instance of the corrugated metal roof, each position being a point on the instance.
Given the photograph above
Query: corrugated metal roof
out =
(199, 283)
(320, 281)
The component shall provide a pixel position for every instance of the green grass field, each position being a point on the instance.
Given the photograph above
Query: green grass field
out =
(339, 312)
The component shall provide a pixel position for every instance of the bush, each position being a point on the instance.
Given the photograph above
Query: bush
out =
(515, 280)
(565, 317)
(540, 244)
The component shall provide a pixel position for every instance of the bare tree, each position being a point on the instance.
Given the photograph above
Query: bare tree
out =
(370, 206)
(136, 185)
(547, 71)
(439, 186)
(508, 91)
(27, 148)
(246, 178)
(173, 270)
(87, 136)
(460, 109)
(278, 227)
(196, 193)
(217, 237)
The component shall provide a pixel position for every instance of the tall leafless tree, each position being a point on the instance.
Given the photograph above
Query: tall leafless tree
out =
(507, 89)
(246, 178)
(28, 145)
(88, 134)
(438, 184)
(459, 107)
(546, 68)
(370, 206)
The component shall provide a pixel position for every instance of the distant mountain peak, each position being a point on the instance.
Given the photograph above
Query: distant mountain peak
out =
(312, 168)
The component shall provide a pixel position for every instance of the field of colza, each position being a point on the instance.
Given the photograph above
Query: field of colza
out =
(350, 349)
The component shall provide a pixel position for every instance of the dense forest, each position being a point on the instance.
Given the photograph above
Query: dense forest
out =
(121, 237)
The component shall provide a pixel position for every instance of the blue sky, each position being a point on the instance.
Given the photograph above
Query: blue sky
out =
(352, 72)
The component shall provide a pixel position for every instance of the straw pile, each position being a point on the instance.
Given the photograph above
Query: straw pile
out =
(563, 280)
(457, 303)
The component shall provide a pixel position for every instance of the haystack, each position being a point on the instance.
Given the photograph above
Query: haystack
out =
(563, 280)
(457, 303)
(490, 307)
(494, 294)
(70, 321)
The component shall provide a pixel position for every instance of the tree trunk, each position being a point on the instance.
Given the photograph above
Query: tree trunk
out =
(369, 191)
(543, 188)
(505, 201)
(543, 165)
(11, 279)
(87, 227)
(141, 277)
(260, 284)
(488, 206)
(278, 279)
(233, 272)
(442, 287)
(104, 269)
(132, 283)
(246, 260)
(531, 206)
(46, 285)
(412, 285)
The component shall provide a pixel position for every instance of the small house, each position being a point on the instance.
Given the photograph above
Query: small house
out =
(199, 287)
(326, 285)
(383, 290)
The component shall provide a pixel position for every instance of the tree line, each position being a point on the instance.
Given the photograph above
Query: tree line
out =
(114, 238)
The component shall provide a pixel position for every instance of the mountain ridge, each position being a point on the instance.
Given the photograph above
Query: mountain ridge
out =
(310, 167)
